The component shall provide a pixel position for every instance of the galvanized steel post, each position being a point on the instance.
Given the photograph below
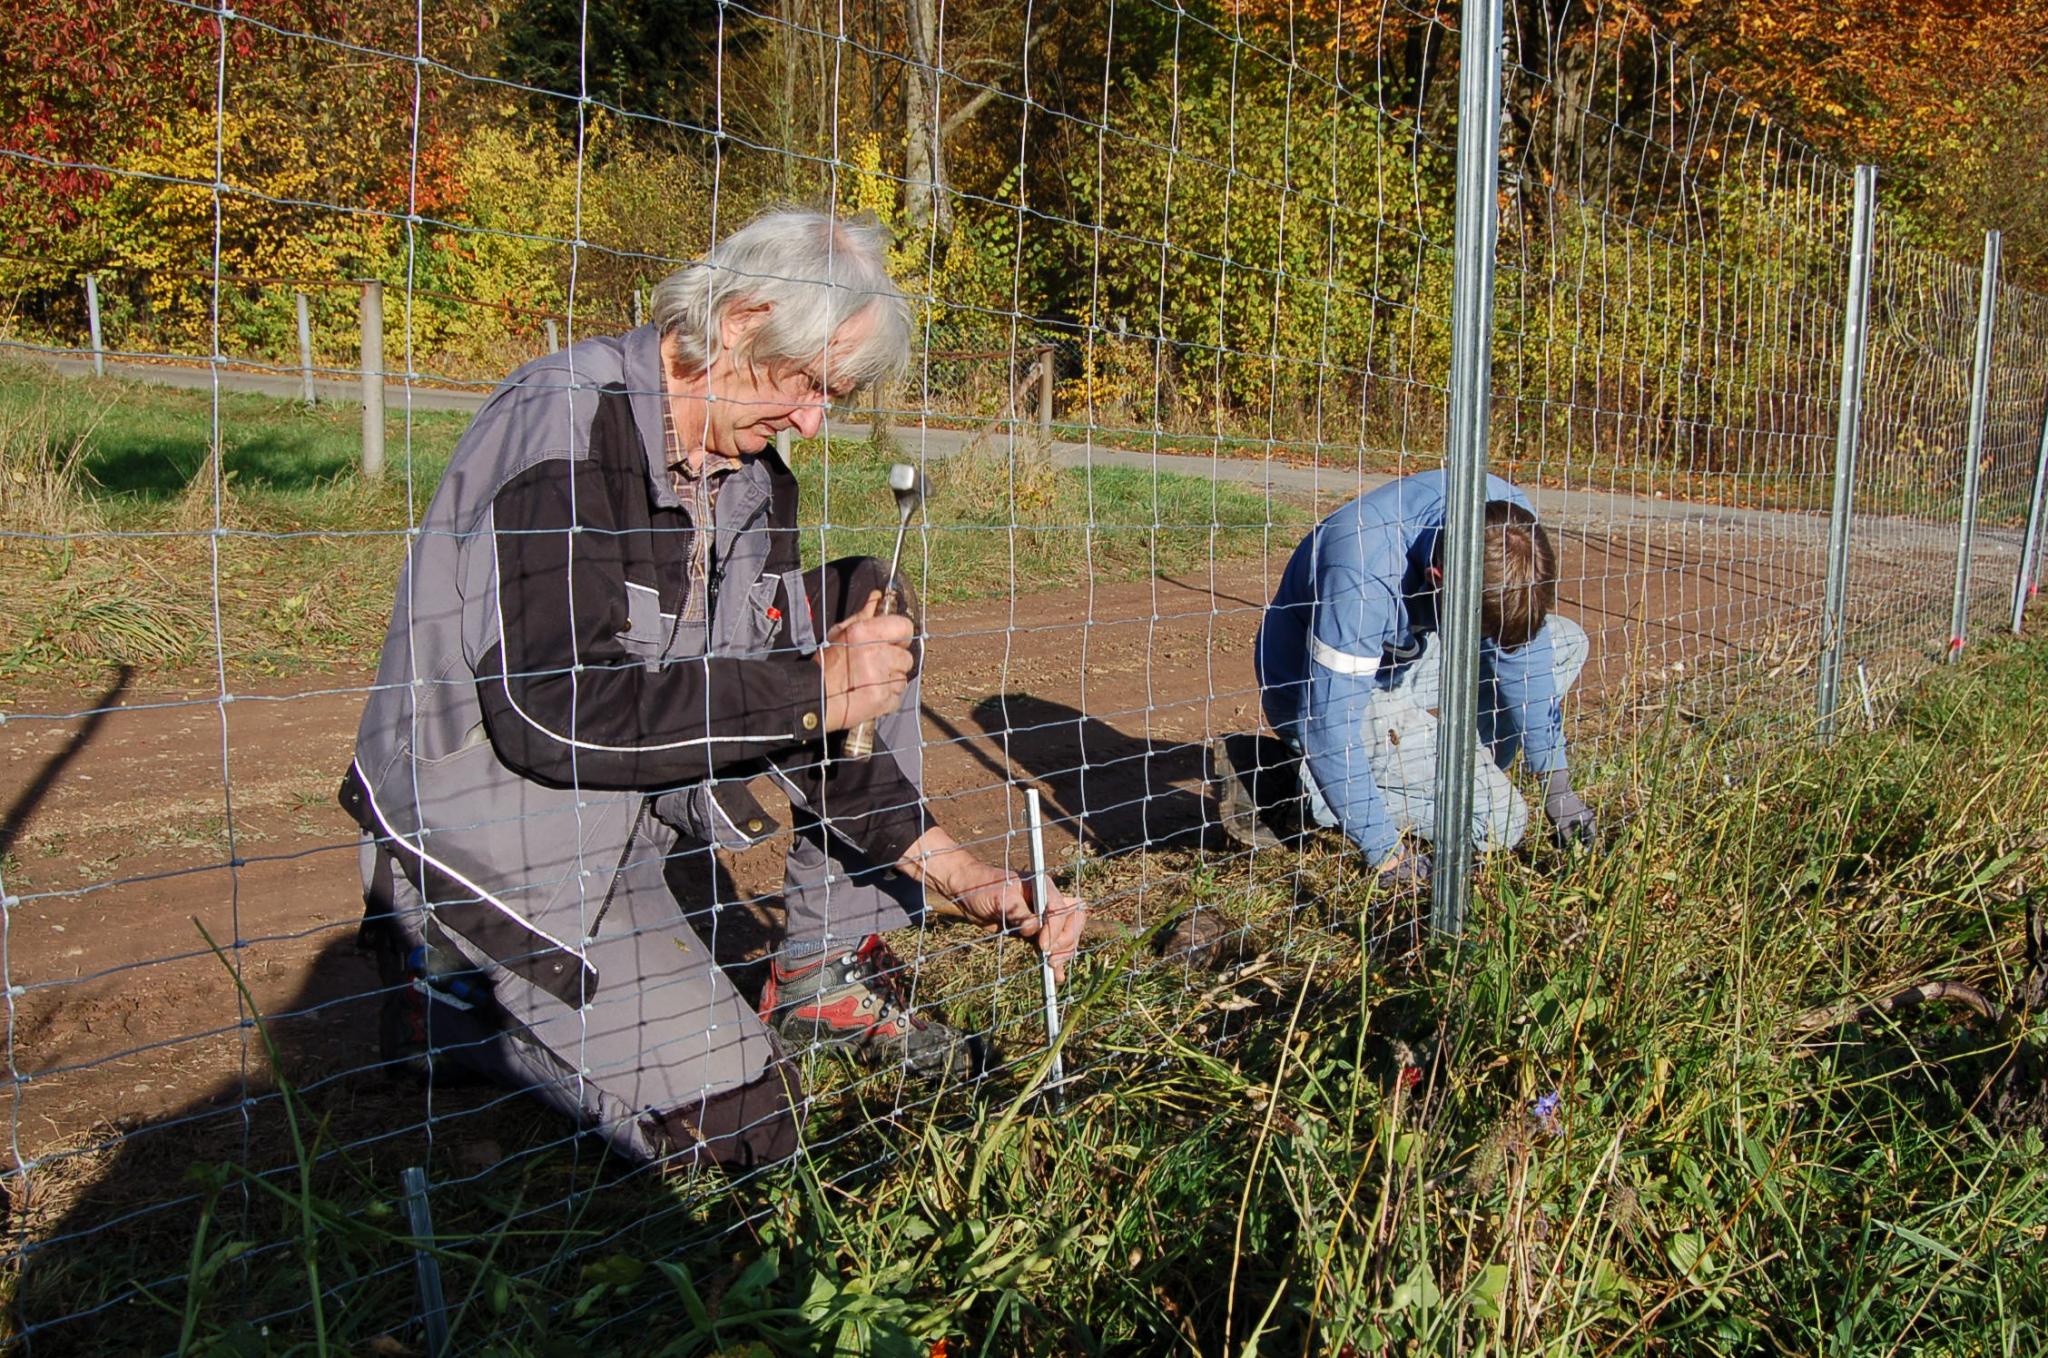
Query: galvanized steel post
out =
(426, 1260)
(1980, 395)
(2027, 582)
(1471, 408)
(305, 346)
(1848, 430)
(373, 377)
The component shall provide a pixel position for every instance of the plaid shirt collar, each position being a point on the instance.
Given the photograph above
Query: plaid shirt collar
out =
(711, 468)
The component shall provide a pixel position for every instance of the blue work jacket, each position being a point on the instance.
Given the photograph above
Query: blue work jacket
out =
(1348, 620)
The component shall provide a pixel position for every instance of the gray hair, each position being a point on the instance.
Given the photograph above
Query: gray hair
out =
(814, 272)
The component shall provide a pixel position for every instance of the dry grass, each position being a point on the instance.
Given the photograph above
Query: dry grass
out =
(44, 487)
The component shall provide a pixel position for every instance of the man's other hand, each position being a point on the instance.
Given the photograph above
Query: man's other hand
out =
(994, 897)
(1408, 868)
(867, 662)
(1572, 823)
(998, 899)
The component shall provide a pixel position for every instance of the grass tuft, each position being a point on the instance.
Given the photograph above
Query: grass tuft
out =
(44, 485)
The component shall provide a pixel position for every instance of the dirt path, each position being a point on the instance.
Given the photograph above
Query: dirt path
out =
(120, 833)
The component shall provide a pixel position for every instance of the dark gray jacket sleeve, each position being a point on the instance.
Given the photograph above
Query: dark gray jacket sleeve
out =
(565, 700)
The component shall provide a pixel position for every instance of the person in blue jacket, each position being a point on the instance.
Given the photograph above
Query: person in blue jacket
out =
(1349, 667)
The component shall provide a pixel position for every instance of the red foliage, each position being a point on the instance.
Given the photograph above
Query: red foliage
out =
(84, 78)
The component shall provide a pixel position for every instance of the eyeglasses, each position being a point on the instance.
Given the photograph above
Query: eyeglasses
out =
(812, 385)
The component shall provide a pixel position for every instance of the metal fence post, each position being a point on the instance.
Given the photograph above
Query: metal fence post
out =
(2028, 581)
(554, 335)
(1848, 430)
(92, 324)
(426, 1264)
(305, 345)
(1045, 391)
(373, 377)
(1980, 393)
(1471, 408)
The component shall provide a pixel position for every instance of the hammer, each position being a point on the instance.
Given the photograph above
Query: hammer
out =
(909, 487)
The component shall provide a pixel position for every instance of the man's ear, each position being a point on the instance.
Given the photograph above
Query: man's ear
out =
(739, 323)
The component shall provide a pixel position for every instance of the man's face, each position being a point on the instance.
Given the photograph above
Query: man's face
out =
(751, 403)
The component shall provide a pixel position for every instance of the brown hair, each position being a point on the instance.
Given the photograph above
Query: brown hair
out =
(1520, 575)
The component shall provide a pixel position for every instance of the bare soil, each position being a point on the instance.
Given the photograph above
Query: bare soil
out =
(166, 809)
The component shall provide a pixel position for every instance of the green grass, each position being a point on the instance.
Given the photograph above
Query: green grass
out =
(1337, 1145)
(1530, 458)
(311, 552)
(146, 444)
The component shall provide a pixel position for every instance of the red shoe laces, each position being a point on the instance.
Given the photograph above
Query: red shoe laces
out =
(881, 969)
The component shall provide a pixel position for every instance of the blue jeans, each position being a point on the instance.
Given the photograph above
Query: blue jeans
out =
(1399, 738)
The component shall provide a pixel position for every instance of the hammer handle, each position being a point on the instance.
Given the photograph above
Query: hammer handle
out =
(860, 741)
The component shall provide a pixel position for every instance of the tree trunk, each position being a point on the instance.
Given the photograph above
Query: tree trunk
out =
(792, 11)
(926, 201)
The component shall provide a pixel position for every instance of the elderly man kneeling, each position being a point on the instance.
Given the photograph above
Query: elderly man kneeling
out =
(602, 633)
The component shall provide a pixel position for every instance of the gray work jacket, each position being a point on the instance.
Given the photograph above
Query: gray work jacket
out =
(540, 704)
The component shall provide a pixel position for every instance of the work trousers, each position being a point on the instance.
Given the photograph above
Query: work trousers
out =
(1400, 737)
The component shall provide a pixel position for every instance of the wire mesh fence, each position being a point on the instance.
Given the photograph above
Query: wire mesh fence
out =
(1179, 284)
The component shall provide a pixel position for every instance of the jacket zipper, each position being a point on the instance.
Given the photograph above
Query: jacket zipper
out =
(612, 887)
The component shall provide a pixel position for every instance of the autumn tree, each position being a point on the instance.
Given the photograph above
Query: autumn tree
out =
(1939, 93)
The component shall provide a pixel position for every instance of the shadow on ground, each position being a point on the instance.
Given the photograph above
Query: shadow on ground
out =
(1121, 791)
(114, 1235)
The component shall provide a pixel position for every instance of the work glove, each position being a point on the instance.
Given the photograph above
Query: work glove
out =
(1406, 870)
(1572, 822)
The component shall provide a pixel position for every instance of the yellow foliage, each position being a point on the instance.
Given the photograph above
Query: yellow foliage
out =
(164, 220)
(866, 188)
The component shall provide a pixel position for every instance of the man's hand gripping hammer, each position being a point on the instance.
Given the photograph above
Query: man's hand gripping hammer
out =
(909, 488)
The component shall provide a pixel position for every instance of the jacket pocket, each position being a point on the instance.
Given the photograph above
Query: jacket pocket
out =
(647, 628)
(516, 868)
(721, 813)
(752, 634)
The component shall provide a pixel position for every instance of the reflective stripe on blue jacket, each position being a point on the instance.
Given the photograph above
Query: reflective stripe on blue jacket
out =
(1345, 621)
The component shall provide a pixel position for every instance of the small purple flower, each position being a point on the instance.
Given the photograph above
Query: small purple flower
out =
(1545, 1110)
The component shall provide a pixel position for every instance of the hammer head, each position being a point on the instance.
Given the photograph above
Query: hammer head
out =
(908, 486)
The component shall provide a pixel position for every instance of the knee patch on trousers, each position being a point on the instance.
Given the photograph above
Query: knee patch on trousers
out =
(744, 1128)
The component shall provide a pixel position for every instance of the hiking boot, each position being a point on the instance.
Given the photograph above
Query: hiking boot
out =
(1258, 789)
(856, 1000)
